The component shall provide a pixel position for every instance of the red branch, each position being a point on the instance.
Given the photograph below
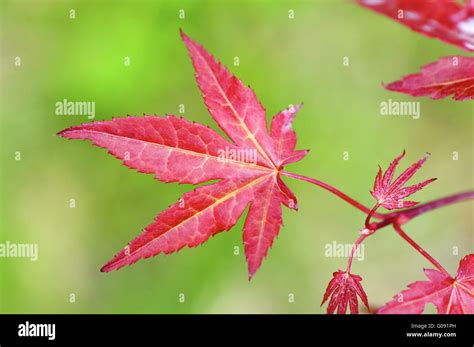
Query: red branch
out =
(424, 253)
(396, 219)
(335, 191)
(401, 217)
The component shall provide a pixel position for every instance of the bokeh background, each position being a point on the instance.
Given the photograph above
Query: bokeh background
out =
(285, 61)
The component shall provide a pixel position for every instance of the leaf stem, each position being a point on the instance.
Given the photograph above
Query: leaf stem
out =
(354, 249)
(403, 216)
(335, 191)
(431, 205)
(370, 214)
(407, 238)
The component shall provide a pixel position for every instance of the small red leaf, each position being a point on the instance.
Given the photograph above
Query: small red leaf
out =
(344, 288)
(449, 295)
(391, 194)
(448, 76)
(176, 150)
(446, 20)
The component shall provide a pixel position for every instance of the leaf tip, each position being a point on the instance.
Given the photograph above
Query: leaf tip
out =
(183, 35)
(66, 133)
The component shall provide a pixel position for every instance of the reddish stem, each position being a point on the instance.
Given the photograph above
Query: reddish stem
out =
(402, 217)
(354, 249)
(407, 238)
(335, 191)
(431, 205)
(396, 218)
(370, 214)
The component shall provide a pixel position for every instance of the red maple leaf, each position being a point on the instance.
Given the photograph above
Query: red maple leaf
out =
(344, 288)
(449, 295)
(446, 20)
(447, 76)
(391, 194)
(175, 150)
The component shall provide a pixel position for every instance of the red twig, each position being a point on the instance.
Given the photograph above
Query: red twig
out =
(335, 191)
(396, 218)
(354, 249)
(431, 205)
(424, 253)
(370, 214)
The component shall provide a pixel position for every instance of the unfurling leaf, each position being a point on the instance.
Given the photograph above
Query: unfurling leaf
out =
(447, 76)
(343, 289)
(391, 194)
(446, 20)
(176, 150)
(449, 295)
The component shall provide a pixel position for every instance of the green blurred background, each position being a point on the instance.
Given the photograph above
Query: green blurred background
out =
(285, 61)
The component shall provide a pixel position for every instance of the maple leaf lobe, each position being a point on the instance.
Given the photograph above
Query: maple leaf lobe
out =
(445, 20)
(453, 75)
